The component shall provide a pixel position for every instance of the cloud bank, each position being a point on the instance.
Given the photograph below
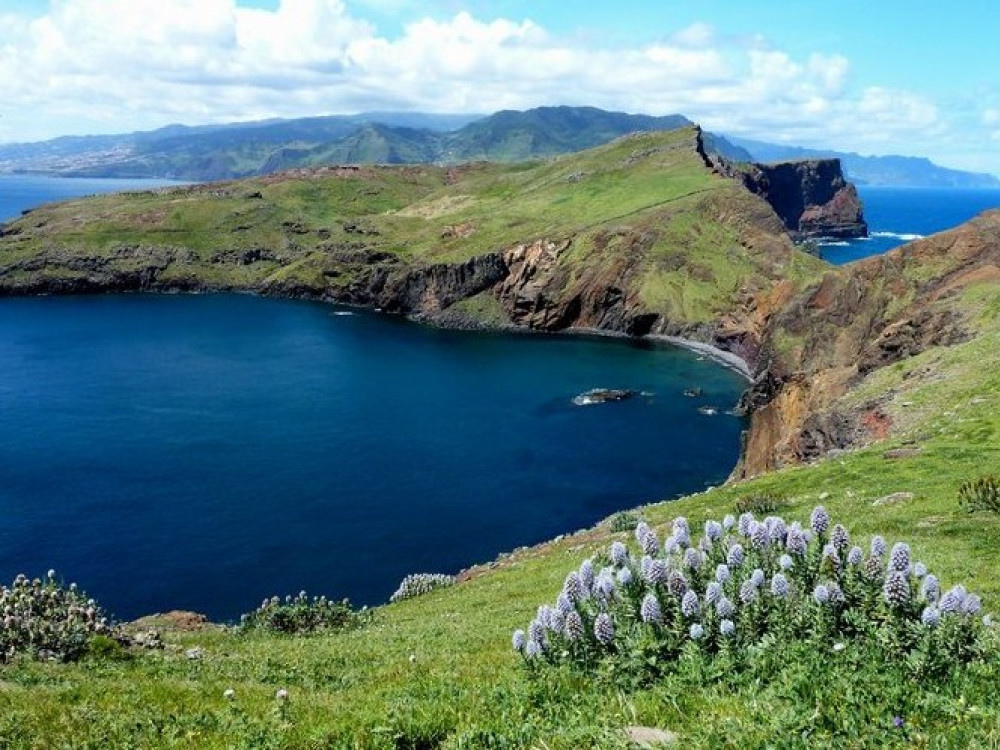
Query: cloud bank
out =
(99, 66)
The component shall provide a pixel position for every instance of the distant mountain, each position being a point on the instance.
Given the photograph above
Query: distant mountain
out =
(895, 171)
(245, 149)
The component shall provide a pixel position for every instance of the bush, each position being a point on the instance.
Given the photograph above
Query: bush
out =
(748, 588)
(47, 620)
(759, 503)
(625, 520)
(981, 494)
(417, 584)
(300, 614)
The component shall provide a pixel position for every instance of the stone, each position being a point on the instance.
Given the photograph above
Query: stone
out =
(603, 396)
(893, 499)
(650, 737)
(194, 654)
(898, 453)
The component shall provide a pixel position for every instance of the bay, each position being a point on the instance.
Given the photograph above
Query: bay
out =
(202, 452)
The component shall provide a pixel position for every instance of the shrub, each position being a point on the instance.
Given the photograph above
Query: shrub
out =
(300, 614)
(47, 620)
(625, 520)
(417, 584)
(759, 503)
(980, 494)
(747, 588)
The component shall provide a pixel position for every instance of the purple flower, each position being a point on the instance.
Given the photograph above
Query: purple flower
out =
(897, 721)
(533, 650)
(759, 536)
(919, 569)
(776, 527)
(840, 537)
(899, 558)
(689, 604)
(572, 587)
(722, 573)
(785, 562)
(930, 617)
(619, 554)
(735, 557)
(729, 522)
(713, 530)
(878, 546)
(830, 553)
(930, 589)
(681, 524)
(692, 558)
(757, 578)
(536, 631)
(819, 520)
(972, 605)
(676, 583)
(713, 592)
(649, 543)
(641, 529)
(557, 621)
(573, 626)
(855, 557)
(670, 546)
(748, 592)
(604, 586)
(650, 609)
(604, 629)
(725, 608)
(779, 585)
(727, 628)
(625, 577)
(821, 594)
(587, 575)
(952, 601)
(697, 632)
(656, 571)
(563, 604)
(518, 640)
(896, 589)
(746, 524)
(795, 542)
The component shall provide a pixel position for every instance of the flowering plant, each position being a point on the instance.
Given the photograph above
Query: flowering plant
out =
(302, 614)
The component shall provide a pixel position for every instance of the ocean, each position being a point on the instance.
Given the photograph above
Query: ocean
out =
(899, 215)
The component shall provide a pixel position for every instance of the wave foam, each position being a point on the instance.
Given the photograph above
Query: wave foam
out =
(906, 237)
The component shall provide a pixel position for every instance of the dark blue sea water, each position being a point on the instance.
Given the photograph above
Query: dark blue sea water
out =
(20, 192)
(899, 215)
(203, 452)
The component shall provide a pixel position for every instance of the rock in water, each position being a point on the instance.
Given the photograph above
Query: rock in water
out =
(602, 396)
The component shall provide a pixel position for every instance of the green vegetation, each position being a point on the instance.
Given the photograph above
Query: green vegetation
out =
(982, 494)
(760, 504)
(300, 614)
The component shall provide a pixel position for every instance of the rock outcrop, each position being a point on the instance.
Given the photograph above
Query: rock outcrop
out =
(812, 197)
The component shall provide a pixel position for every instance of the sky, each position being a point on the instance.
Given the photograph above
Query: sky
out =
(873, 76)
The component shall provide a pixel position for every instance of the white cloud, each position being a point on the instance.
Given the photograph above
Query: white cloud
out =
(991, 117)
(93, 65)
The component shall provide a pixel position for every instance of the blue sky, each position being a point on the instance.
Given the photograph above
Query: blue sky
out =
(880, 76)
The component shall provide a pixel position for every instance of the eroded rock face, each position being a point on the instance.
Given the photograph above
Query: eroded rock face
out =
(812, 197)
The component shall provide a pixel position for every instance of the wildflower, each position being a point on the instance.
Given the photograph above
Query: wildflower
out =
(692, 558)
(536, 631)
(746, 524)
(563, 604)
(729, 522)
(413, 658)
(830, 553)
(819, 520)
(972, 605)
(779, 585)
(757, 578)
(878, 546)
(839, 646)
(656, 572)
(722, 573)
(725, 608)
(625, 577)
(604, 629)
(670, 546)
(855, 557)
(229, 694)
(896, 589)
(587, 575)
(605, 584)
(821, 594)
(795, 542)
(557, 621)
(840, 537)
(51, 574)
(518, 640)
(735, 557)
(897, 721)
(649, 543)
(713, 530)
(573, 626)
(572, 587)
(930, 589)
(873, 568)
(776, 527)
(533, 650)
(650, 609)
(676, 583)
(281, 695)
(544, 615)
(681, 524)
(748, 592)
(987, 621)
(619, 554)
(689, 604)
(727, 628)
(899, 558)
(930, 617)
(713, 592)
(919, 569)
(696, 632)
(785, 562)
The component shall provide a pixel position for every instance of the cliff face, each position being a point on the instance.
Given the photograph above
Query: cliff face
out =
(812, 197)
